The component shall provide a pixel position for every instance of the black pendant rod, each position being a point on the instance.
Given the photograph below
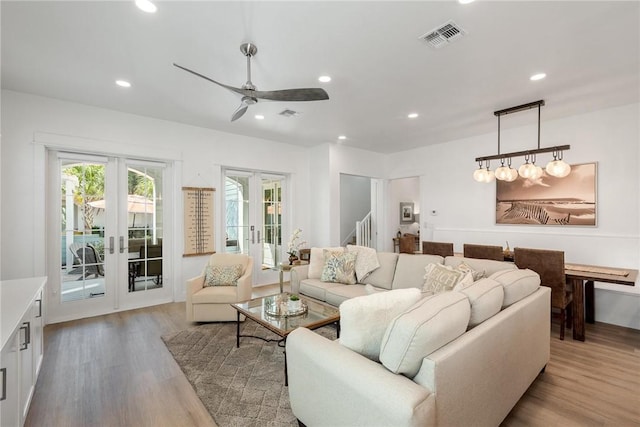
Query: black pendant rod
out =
(518, 108)
(524, 152)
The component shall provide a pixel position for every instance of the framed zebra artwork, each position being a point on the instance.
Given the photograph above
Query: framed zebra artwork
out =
(549, 200)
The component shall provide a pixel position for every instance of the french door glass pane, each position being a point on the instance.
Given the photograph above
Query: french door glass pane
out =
(271, 221)
(237, 214)
(144, 227)
(83, 206)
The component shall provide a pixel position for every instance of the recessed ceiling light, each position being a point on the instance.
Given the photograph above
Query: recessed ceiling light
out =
(259, 117)
(465, 1)
(123, 83)
(538, 76)
(412, 115)
(342, 137)
(146, 6)
(324, 79)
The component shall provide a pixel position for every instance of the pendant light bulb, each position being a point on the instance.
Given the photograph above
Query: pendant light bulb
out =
(558, 167)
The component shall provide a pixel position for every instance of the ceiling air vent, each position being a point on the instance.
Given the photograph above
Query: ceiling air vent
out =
(289, 113)
(443, 35)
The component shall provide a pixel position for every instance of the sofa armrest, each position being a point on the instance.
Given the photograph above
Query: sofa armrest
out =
(193, 286)
(298, 274)
(245, 282)
(330, 385)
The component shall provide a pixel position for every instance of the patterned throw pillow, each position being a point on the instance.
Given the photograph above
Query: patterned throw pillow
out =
(222, 275)
(441, 278)
(477, 275)
(339, 267)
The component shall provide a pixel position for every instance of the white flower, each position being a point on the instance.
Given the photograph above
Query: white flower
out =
(294, 245)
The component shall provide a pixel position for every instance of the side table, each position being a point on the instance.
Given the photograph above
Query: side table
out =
(285, 266)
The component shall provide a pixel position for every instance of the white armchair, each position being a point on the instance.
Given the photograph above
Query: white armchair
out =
(212, 303)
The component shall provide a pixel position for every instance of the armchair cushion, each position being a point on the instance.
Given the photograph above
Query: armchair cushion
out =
(222, 275)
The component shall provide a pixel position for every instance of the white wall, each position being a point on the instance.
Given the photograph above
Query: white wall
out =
(355, 202)
(198, 154)
(402, 190)
(466, 209)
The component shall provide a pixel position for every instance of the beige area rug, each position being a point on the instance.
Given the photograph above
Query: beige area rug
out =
(238, 386)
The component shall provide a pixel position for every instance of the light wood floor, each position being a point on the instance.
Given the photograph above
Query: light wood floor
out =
(114, 370)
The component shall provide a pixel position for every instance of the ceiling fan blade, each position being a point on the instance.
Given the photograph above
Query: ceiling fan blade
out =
(240, 111)
(306, 94)
(231, 88)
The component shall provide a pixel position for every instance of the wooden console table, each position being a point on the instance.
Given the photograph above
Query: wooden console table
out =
(581, 277)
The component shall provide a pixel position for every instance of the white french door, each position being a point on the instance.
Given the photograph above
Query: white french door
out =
(254, 214)
(107, 250)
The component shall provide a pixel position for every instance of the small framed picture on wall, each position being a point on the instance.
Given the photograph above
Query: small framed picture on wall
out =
(406, 213)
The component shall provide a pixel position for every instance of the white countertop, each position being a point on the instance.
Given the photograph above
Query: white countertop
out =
(15, 299)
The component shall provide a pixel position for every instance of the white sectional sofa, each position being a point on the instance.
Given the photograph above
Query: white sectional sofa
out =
(458, 358)
(396, 271)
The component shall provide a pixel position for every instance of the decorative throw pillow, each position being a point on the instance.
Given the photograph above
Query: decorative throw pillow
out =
(222, 275)
(441, 278)
(366, 261)
(465, 268)
(364, 319)
(339, 267)
(316, 261)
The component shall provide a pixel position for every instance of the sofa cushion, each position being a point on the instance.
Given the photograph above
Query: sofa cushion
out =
(216, 295)
(339, 267)
(338, 294)
(410, 270)
(222, 275)
(423, 328)
(366, 260)
(364, 319)
(486, 296)
(382, 277)
(316, 261)
(517, 284)
(316, 288)
(441, 278)
(489, 266)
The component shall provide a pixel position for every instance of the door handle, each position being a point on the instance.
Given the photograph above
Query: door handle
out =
(253, 236)
(122, 247)
(111, 248)
(39, 301)
(258, 236)
(4, 384)
(27, 335)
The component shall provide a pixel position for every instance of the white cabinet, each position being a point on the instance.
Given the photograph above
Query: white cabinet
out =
(22, 345)
(9, 405)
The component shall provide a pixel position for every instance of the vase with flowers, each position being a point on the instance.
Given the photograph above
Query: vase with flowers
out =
(294, 245)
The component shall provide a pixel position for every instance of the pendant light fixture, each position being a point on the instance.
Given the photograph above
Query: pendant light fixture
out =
(557, 167)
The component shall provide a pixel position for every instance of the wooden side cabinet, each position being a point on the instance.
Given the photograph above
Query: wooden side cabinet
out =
(22, 347)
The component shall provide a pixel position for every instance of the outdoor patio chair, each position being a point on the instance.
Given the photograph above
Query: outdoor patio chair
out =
(90, 262)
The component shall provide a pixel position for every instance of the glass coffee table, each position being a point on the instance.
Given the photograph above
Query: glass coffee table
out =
(272, 313)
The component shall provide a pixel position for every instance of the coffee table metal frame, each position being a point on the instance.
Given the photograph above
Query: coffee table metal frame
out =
(318, 314)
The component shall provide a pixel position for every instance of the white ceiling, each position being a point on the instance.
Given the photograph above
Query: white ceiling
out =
(381, 71)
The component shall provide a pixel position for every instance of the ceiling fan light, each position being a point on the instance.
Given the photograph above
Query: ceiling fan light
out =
(558, 168)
